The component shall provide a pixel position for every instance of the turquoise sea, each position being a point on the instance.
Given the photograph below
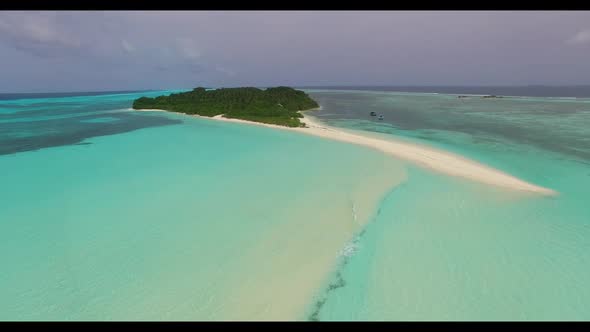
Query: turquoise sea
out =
(444, 249)
(113, 214)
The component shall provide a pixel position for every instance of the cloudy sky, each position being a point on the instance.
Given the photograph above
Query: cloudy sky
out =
(87, 51)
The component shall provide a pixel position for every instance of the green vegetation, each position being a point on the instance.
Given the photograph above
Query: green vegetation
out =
(280, 105)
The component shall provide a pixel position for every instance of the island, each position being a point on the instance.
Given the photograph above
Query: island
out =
(278, 105)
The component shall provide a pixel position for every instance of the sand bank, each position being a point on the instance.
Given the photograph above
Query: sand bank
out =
(436, 160)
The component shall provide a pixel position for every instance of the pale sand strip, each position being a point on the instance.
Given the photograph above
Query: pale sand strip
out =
(436, 160)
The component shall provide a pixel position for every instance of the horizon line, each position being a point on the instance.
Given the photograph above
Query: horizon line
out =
(314, 86)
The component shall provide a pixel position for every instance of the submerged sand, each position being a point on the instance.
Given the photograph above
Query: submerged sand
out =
(436, 160)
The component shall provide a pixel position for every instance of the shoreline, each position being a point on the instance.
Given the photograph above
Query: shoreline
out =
(433, 159)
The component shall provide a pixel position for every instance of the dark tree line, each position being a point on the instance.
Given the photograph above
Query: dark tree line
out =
(279, 105)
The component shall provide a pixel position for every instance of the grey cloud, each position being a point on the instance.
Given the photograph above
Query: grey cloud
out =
(39, 34)
(182, 67)
(147, 49)
(581, 37)
(128, 47)
(188, 48)
(225, 71)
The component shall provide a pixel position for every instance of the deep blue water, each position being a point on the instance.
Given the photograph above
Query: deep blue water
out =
(24, 95)
(30, 122)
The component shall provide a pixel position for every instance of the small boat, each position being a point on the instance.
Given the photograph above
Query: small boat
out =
(380, 117)
(373, 113)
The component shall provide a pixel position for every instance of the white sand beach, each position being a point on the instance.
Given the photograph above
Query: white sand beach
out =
(436, 160)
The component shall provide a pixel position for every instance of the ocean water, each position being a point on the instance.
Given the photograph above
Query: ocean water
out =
(571, 91)
(440, 248)
(112, 214)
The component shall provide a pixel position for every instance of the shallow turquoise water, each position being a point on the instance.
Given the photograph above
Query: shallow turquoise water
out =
(107, 213)
(163, 216)
(444, 249)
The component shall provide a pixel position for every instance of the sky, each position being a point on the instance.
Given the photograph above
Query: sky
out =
(120, 50)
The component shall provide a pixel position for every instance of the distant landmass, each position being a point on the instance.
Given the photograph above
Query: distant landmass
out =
(488, 96)
(278, 105)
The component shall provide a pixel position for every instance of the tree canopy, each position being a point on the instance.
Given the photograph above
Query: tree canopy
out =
(278, 105)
